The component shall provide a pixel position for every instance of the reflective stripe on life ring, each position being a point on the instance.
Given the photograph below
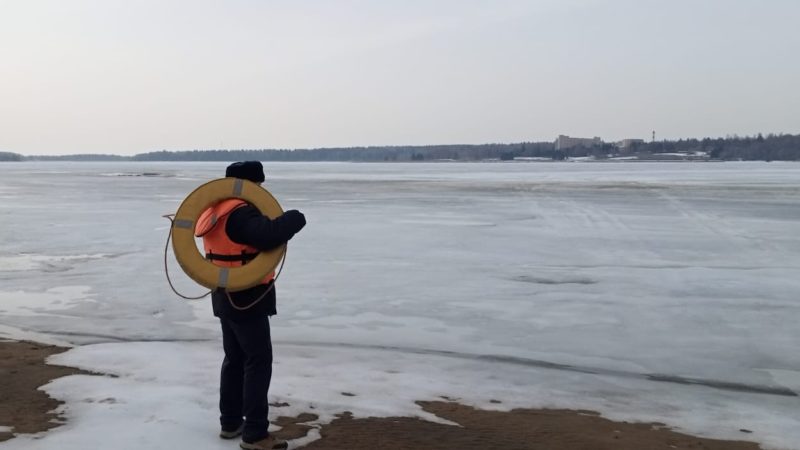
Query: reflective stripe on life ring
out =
(194, 263)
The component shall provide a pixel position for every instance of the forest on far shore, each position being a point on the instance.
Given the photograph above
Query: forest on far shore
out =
(772, 147)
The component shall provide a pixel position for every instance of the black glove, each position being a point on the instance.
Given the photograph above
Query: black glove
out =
(296, 219)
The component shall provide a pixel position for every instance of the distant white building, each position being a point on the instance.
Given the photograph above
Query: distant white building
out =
(628, 143)
(566, 142)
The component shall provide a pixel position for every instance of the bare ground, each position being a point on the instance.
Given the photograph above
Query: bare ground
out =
(28, 410)
(22, 371)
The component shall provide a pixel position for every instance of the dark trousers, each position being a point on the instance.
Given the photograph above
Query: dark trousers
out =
(245, 377)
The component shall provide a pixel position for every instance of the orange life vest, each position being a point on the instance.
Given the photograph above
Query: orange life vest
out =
(220, 249)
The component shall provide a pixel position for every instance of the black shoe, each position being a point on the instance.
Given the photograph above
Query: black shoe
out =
(268, 443)
(228, 433)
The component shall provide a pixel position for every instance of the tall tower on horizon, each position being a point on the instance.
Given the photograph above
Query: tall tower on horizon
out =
(654, 136)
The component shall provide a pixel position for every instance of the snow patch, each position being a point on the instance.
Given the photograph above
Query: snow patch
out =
(21, 303)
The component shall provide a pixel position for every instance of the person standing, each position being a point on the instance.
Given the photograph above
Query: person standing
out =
(233, 233)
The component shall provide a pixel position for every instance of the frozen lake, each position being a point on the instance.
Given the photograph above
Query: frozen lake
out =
(658, 290)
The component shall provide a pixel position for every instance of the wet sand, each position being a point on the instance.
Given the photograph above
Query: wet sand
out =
(519, 429)
(23, 407)
(27, 410)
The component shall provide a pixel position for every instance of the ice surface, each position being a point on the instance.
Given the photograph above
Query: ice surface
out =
(51, 262)
(631, 271)
(51, 302)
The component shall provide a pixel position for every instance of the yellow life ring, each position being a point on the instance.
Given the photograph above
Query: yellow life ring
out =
(194, 263)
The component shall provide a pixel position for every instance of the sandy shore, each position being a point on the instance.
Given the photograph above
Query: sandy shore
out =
(23, 408)
(27, 410)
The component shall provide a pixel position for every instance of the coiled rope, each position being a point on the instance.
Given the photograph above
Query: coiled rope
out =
(171, 218)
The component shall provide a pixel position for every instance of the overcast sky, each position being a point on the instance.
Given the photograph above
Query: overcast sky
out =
(126, 77)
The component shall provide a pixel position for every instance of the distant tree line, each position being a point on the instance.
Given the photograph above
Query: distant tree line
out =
(79, 157)
(783, 147)
(366, 154)
(8, 156)
(773, 147)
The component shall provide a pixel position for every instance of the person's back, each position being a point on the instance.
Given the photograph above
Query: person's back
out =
(233, 233)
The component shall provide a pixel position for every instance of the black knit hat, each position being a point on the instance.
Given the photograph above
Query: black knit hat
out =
(246, 170)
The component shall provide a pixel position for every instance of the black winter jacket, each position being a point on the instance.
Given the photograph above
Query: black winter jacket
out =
(246, 225)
